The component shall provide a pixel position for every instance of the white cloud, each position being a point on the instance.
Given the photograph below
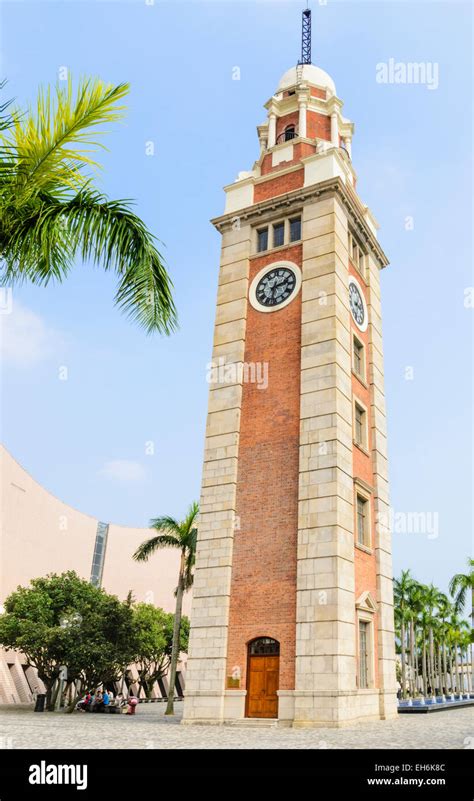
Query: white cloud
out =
(25, 337)
(123, 470)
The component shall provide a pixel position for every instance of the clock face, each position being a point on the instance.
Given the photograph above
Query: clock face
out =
(357, 304)
(275, 287)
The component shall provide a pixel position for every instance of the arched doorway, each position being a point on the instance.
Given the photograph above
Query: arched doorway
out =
(263, 669)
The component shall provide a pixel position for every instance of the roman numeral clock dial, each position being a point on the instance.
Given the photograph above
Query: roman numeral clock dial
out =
(275, 286)
(357, 304)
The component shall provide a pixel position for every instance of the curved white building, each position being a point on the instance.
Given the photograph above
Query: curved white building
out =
(41, 534)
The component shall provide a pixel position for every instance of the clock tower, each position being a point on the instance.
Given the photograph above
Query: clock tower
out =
(292, 616)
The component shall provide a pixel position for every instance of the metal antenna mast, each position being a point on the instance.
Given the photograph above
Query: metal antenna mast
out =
(306, 37)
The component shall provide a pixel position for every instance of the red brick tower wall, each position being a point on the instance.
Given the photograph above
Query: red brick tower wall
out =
(263, 586)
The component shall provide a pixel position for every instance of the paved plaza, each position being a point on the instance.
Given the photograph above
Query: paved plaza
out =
(21, 728)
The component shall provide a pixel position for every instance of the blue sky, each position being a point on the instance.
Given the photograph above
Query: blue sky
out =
(85, 438)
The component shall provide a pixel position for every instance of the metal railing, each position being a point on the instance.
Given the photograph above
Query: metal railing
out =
(286, 136)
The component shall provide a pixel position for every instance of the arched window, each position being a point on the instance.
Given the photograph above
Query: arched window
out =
(290, 132)
(264, 646)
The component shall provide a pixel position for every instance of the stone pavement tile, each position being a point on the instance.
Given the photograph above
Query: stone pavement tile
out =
(23, 728)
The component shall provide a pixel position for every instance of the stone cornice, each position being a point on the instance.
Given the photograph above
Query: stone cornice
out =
(333, 187)
(334, 104)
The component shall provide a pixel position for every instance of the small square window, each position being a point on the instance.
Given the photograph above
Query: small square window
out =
(358, 359)
(295, 229)
(278, 234)
(360, 426)
(362, 511)
(262, 240)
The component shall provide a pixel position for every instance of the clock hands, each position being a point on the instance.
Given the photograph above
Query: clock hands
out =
(275, 287)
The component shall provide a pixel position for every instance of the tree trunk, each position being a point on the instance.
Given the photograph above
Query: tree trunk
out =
(472, 632)
(412, 660)
(458, 669)
(445, 667)
(471, 674)
(176, 638)
(403, 657)
(75, 695)
(432, 662)
(425, 683)
(416, 662)
(49, 692)
(451, 672)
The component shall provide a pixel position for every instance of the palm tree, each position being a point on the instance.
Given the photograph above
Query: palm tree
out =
(415, 606)
(460, 585)
(457, 629)
(51, 213)
(445, 609)
(431, 598)
(401, 589)
(174, 534)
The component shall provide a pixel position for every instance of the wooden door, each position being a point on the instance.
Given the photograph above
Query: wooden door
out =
(262, 686)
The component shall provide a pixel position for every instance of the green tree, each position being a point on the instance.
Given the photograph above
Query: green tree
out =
(415, 607)
(460, 586)
(64, 620)
(154, 632)
(431, 599)
(401, 589)
(180, 534)
(51, 213)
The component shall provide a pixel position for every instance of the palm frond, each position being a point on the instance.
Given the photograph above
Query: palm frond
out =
(53, 143)
(7, 152)
(147, 548)
(41, 243)
(191, 515)
(167, 524)
(458, 587)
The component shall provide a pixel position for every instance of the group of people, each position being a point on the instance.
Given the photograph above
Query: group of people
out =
(99, 701)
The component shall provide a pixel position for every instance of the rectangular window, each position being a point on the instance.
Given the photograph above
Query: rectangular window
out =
(360, 425)
(356, 254)
(295, 229)
(262, 240)
(358, 358)
(98, 556)
(364, 637)
(362, 520)
(278, 234)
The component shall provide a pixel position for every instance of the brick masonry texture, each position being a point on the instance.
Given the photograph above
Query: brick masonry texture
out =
(315, 92)
(318, 125)
(300, 151)
(263, 587)
(279, 185)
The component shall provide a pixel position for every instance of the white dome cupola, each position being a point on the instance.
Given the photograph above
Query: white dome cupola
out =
(306, 73)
